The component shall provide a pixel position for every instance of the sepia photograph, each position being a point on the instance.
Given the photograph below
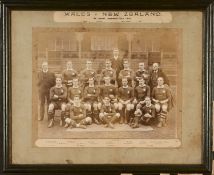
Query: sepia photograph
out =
(106, 87)
(113, 83)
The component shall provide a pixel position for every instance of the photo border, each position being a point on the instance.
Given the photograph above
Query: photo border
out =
(79, 169)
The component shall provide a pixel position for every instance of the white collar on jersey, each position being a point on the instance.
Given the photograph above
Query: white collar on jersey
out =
(125, 86)
(162, 86)
(45, 71)
(58, 86)
(143, 85)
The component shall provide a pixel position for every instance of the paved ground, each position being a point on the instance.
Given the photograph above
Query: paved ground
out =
(120, 131)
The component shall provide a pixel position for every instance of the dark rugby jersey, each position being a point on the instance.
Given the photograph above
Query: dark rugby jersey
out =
(160, 93)
(142, 92)
(108, 109)
(61, 92)
(128, 73)
(149, 110)
(105, 91)
(91, 93)
(74, 92)
(88, 73)
(126, 93)
(142, 74)
(109, 73)
(69, 74)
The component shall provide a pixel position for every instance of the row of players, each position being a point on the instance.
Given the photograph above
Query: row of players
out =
(127, 104)
(116, 74)
(142, 77)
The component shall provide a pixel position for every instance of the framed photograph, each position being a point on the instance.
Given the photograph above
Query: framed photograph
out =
(106, 87)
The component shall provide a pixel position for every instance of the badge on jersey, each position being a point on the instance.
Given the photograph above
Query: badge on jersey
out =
(164, 91)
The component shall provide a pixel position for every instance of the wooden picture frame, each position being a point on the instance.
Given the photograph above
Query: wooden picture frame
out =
(7, 6)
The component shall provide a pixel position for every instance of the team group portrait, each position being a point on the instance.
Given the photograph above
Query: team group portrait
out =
(108, 82)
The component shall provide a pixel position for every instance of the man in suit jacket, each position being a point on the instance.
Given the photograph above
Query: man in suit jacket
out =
(154, 74)
(46, 80)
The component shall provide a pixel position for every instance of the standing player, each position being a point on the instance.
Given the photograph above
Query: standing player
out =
(46, 80)
(125, 105)
(161, 97)
(154, 74)
(109, 90)
(69, 74)
(87, 73)
(91, 98)
(108, 71)
(126, 72)
(108, 113)
(78, 117)
(58, 97)
(141, 73)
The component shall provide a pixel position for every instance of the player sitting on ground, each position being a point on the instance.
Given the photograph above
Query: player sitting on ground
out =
(77, 117)
(108, 113)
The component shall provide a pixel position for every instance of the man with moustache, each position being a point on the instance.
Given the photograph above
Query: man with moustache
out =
(46, 80)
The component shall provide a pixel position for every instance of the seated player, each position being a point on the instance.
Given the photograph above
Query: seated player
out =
(87, 73)
(126, 73)
(58, 95)
(161, 96)
(108, 71)
(108, 114)
(125, 97)
(148, 111)
(69, 74)
(141, 92)
(109, 90)
(144, 114)
(77, 117)
(91, 98)
(75, 90)
(141, 73)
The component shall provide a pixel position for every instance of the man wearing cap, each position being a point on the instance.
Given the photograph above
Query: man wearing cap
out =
(58, 98)
(126, 72)
(108, 71)
(69, 74)
(154, 74)
(161, 98)
(125, 97)
(87, 73)
(91, 99)
(141, 73)
(46, 80)
(109, 90)
(77, 117)
(108, 114)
